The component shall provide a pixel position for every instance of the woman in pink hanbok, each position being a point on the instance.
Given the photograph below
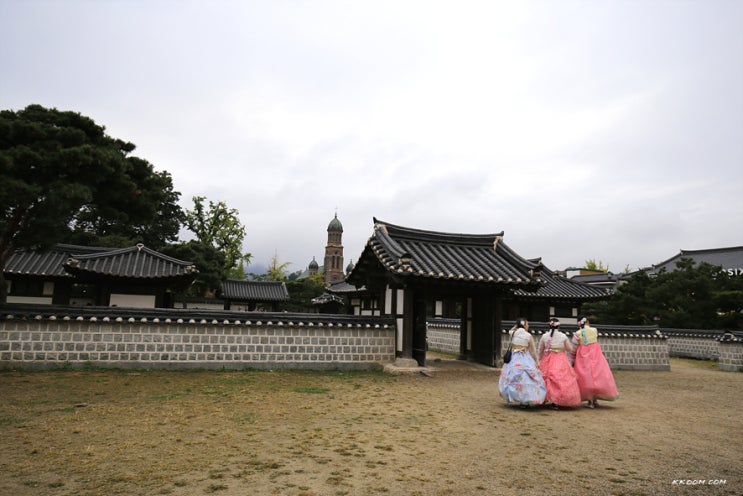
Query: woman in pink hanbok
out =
(559, 376)
(595, 380)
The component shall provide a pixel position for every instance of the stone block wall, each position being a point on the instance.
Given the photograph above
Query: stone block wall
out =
(704, 348)
(694, 343)
(625, 347)
(258, 341)
(443, 336)
(731, 353)
(624, 350)
(636, 352)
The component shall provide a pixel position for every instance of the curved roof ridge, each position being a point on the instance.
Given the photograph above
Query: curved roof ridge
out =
(712, 250)
(131, 249)
(454, 257)
(694, 253)
(402, 231)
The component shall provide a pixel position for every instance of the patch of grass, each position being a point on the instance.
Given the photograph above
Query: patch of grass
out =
(168, 396)
(698, 364)
(4, 421)
(213, 488)
(235, 381)
(214, 392)
(311, 390)
(245, 418)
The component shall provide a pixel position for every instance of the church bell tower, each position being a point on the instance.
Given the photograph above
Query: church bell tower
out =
(334, 252)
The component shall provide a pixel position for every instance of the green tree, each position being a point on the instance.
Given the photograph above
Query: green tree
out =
(302, 291)
(146, 211)
(63, 177)
(217, 226)
(207, 259)
(277, 270)
(593, 265)
(692, 297)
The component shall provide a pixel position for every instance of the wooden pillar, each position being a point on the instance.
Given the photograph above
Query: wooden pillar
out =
(464, 328)
(498, 327)
(485, 311)
(419, 328)
(408, 322)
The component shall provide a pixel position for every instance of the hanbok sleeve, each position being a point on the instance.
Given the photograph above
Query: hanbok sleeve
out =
(571, 352)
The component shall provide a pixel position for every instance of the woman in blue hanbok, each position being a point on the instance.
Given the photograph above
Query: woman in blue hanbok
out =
(521, 382)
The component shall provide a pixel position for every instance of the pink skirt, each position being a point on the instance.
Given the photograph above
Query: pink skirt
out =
(595, 379)
(562, 384)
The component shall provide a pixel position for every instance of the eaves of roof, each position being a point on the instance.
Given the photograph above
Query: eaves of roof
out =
(724, 257)
(415, 253)
(49, 263)
(326, 298)
(342, 287)
(137, 262)
(266, 291)
(557, 287)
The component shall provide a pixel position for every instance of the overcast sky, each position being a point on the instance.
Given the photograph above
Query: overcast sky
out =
(604, 130)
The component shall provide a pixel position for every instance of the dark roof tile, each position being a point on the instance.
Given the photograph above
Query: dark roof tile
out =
(48, 263)
(557, 287)
(138, 262)
(482, 258)
(239, 290)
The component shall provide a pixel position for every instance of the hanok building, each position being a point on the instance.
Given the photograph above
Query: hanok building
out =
(253, 295)
(76, 275)
(558, 297)
(730, 260)
(405, 269)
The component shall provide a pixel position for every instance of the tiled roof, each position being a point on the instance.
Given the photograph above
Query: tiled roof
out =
(48, 263)
(239, 290)
(603, 278)
(137, 262)
(476, 258)
(727, 258)
(557, 287)
(342, 287)
(326, 298)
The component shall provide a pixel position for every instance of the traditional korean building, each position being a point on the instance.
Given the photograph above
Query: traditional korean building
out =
(253, 295)
(76, 275)
(408, 271)
(730, 260)
(558, 297)
(408, 267)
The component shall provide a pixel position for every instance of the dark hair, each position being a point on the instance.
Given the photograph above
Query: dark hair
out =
(554, 324)
(520, 322)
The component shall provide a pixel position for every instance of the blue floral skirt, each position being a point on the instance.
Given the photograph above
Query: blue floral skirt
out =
(521, 382)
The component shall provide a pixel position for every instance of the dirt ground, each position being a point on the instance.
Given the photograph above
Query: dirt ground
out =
(111, 432)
